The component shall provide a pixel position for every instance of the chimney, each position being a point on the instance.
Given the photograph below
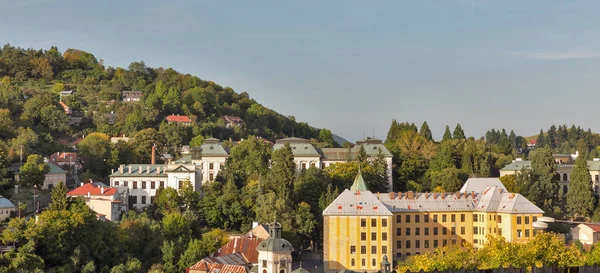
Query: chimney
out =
(157, 170)
(129, 169)
(88, 194)
(473, 194)
(458, 195)
(101, 189)
(377, 195)
(409, 195)
(435, 195)
(392, 195)
(81, 184)
(121, 168)
(147, 169)
(254, 224)
(140, 170)
(153, 160)
(443, 195)
(426, 195)
(112, 171)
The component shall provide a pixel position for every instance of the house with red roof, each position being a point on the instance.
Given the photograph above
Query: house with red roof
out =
(177, 119)
(65, 159)
(104, 200)
(587, 234)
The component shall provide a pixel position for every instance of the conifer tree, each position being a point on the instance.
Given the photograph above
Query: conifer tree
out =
(425, 132)
(540, 142)
(447, 134)
(458, 132)
(552, 136)
(512, 138)
(59, 197)
(580, 198)
(484, 168)
(283, 171)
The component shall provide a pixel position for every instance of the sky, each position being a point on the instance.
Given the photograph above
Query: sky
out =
(352, 66)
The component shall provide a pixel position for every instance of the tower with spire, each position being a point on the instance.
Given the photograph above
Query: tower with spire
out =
(275, 253)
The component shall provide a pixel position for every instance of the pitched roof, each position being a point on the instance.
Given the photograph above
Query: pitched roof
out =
(234, 263)
(359, 183)
(55, 169)
(517, 165)
(593, 227)
(63, 157)
(178, 118)
(336, 154)
(92, 189)
(243, 246)
(150, 170)
(435, 201)
(300, 146)
(5, 203)
(478, 185)
(356, 203)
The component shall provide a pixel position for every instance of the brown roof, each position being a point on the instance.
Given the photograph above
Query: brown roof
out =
(234, 263)
(63, 157)
(245, 246)
(177, 118)
(595, 228)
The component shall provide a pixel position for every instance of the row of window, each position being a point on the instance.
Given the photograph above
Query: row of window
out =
(417, 231)
(363, 262)
(2, 211)
(363, 222)
(363, 249)
(408, 243)
(363, 236)
(133, 200)
(134, 184)
(417, 218)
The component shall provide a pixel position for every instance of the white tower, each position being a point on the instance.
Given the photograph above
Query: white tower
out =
(275, 253)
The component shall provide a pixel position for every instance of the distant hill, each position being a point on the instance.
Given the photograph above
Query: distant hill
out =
(339, 140)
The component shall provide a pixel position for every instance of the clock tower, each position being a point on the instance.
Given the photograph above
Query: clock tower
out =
(275, 253)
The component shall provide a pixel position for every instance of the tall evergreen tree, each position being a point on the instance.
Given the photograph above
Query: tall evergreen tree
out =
(458, 132)
(447, 134)
(552, 136)
(540, 142)
(393, 132)
(544, 187)
(512, 138)
(580, 198)
(59, 197)
(283, 171)
(425, 131)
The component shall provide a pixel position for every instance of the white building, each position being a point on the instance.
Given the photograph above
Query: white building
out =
(587, 234)
(274, 253)
(6, 207)
(209, 159)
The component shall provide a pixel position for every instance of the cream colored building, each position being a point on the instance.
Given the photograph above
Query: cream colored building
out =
(6, 208)
(105, 201)
(209, 158)
(587, 234)
(360, 226)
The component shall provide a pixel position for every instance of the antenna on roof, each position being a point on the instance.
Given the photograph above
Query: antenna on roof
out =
(373, 131)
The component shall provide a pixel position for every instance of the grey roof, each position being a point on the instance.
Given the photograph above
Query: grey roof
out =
(275, 243)
(356, 203)
(184, 160)
(478, 185)
(498, 200)
(55, 169)
(212, 147)
(150, 170)
(435, 201)
(300, 269)
(5, 203)
(300, 147)
(372, 147)
(517, 165)
(336, 154)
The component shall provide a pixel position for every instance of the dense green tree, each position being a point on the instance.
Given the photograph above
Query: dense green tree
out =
(250, 156)
(34, 171)
(197, 141)
(283, 172)
(540, 186)
(95, 150)
(425, 132)
(449, 179)
(510, 183)
(325, 136)
(59, 198)
(540, 142)
(310, 186)
(512, 138)
(447, 134)
(580, 197)
(458, 132)
(142, 144)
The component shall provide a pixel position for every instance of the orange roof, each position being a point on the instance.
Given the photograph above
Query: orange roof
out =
(176, 118)
(595, 228)
(92, 190)
(245, 246)
(63, 157)
(208, 265)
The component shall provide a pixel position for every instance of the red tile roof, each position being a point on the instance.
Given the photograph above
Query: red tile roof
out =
(63, 157)
(176, 118)
(245, 246)
(595, 228)
(209, 265)
(92, 189)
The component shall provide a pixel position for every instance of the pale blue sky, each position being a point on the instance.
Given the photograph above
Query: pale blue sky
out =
(352, 65)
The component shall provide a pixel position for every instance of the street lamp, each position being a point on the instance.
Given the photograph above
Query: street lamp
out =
(34, 206)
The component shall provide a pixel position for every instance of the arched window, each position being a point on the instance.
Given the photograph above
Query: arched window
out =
(565, 189)
(565, 177)
(374, 263)
(364, 263)
(281, 271)
(352, 262)
(264, 271)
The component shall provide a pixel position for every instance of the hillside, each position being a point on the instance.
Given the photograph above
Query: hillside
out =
(32, 80)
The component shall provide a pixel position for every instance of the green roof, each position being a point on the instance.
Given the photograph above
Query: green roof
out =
(150, 170)
(520, 164)
(359, 183)
(55, 169)
(300, 269)
(517, 165)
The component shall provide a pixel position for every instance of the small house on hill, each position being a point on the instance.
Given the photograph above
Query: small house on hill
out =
(233, 121)
(105, 201)
(177, 119)
(131, 96)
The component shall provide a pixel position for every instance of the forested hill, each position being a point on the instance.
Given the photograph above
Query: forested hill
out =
(31, 81)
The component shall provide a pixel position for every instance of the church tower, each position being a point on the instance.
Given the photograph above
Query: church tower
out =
(275, 253)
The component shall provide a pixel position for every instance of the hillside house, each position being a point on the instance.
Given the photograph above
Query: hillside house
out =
(105, 201)
(131, 96)
(233, 121)
(177, 119)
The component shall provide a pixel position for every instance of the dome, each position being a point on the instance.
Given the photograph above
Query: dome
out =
(275, 243)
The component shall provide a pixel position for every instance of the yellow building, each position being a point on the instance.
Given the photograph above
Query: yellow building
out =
(360, 226)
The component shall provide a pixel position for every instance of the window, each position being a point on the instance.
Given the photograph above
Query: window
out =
(407, 218)
(398, 255)
(373, 262)
(116, 183)
(453, 231)
(373, 222)
(407, 244)
(125, 183)
(133, 199)
(384, 236)
(211, 176)
(435, 231)
(134, 184)
(443, 218)
(303, 165)
(453, 218)
(152, 185)
(398, 244)
(426, 218)
(444, 231)
(407, 231)
(453, 241)
(398, 218)
(143, 184)
(210, 166)
(398, 231)
(384, 249)
(363, 249)
(474, 217)
(352, 262)
(143, 199)
(180, 184)
(384, 222)
(363, 222)
(444, 242)
(373, 250)
(426, 244)
(476, 241)
(363, 236)
(426, 231)
(417, 231)
(417, 218)
(527, 220)
(373, 236)
(475, 230)
(352, 249)
(500, 231)
(264, 262)
(518, 220)
(435, 243)
(162, 184)
(462, 230)
(527, 233)
(519, 233)
(152, 199)
(490, 217)
(364, 263)
(596, 178)
(418, 244)
(435, 218)
(407, 254)
(534, 218)
(462, 218)
(499, 219)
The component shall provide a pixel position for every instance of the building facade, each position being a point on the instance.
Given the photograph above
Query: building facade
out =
(6, 208)
(360, 227)
(105, 201)
(209, 158)
(587, 234)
